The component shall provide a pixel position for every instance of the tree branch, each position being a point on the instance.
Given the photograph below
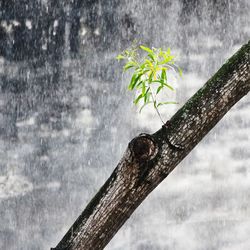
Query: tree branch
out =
(150, 158)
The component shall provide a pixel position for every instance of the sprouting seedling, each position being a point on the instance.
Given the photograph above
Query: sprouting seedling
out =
(148, 71)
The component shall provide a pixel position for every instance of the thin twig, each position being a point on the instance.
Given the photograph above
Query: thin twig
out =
(154, 101)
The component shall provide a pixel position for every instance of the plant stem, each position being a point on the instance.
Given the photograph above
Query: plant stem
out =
(154, 101)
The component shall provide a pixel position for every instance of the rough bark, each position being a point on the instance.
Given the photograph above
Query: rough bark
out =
(150, 158)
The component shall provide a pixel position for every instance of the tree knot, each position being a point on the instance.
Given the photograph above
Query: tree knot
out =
(143, 148)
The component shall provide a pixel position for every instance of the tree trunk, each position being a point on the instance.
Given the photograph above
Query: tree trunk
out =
(150, 158)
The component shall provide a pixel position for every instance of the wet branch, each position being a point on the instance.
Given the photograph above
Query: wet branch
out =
(150, 158)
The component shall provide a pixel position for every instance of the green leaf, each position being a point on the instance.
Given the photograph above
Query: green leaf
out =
(142, 66)
(163, 103)
(143, 72)
(163, 75)
(180, 71)
(168, 86)
(159, 81)
(147, 95)
(159, 89)
(134, 80)
(151, 56)
(155, 104)
(119, 57)
(129, 65)
(148, 63)
(139, 85)
(150, 77)
(164, 84)
(138, 99)
(126, 67)
(143, 91)
(146, 49)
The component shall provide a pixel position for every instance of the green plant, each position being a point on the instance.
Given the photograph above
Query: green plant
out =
(149, 70)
